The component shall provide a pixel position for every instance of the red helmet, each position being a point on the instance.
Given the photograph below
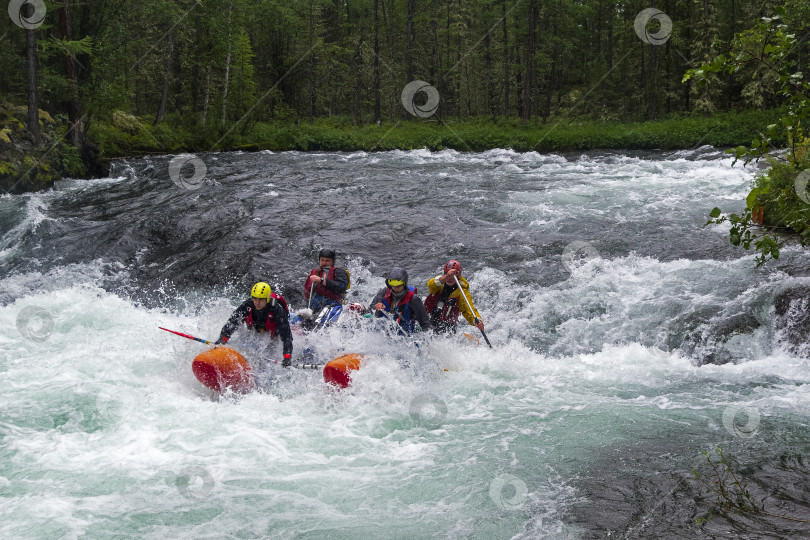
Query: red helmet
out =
(452, 265)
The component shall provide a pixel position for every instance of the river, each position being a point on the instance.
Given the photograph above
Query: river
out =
(627, 340)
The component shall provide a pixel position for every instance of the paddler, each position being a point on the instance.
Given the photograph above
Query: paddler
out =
(446, 300)
(327, 284)
(264, 311)
(399, 302)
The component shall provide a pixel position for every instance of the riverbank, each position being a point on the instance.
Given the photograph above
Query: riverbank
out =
(24, 167)
(128, 135)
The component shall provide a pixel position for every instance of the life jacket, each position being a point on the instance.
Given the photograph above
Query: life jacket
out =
(323, 291)
(443, 309)
(403, 313)
(270, 324)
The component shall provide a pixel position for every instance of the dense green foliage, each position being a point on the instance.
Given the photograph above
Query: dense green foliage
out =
(771, 52)
(229, 63)
(338, 133)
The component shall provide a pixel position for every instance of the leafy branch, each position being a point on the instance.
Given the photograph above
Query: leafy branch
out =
(767, 52)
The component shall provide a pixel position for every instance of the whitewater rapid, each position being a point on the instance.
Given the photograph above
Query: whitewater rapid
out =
(602, 294)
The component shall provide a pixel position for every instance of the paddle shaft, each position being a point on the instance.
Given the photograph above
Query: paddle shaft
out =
(311, 290)
(187, 336)
(469, 306)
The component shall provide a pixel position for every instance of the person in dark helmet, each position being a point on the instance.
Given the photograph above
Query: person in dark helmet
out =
(327, 284)
(446, 300)
(400, 303)
(264, 311)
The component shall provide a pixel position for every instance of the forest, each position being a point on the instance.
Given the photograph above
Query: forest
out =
(219, 64)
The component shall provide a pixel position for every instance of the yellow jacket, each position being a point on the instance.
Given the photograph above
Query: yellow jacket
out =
(435, 287)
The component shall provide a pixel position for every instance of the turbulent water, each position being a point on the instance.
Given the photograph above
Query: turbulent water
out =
(628, 340)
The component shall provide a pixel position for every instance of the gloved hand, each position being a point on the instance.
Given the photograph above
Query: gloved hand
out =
(221, 341)
(287, 362)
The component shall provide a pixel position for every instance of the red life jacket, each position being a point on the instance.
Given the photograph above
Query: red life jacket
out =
(449, 311)
(320, 289)
(270, 324)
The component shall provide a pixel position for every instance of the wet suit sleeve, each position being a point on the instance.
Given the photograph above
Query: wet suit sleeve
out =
(340, 283)
(283, 328)
(307, 288)
(234, 320)
(465, 309)
(434, 285)
(419, 313)
(377, 299)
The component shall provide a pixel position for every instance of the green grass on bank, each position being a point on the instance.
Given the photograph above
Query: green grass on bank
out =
(128, 136)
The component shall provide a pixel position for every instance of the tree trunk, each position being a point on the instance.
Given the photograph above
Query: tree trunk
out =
(311, 62)
(609, 50)
(389, 35)
(74, 103)
(227, 67)
(687, 91)
(491, 107)
(167, 77)
(207, 96)
(33, 101)
(448, 84)
(707, 49)
(376, 64)
(653, 95)
(177, 61)
(358, 88)
(505, 61)
(409, 36)
(549, 90)
(530, 49)
(668, 75)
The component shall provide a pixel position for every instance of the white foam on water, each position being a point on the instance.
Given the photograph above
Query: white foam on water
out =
(107, 432)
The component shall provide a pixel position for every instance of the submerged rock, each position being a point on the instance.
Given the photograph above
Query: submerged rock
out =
(723, 339)
(792, 321)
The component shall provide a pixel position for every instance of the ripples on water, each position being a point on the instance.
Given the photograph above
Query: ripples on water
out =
(601, 292)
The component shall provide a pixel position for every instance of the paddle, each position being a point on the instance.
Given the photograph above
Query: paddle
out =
(300, 366)
(306, 313)
(188, 336)
(469, 306)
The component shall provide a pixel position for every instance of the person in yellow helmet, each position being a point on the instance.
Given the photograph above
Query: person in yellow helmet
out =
(264, 311)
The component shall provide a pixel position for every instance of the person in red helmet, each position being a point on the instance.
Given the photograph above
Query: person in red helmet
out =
(449, 296)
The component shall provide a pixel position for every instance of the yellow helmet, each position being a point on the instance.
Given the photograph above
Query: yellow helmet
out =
(261, 290)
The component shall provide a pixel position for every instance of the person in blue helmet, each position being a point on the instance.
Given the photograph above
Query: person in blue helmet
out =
(400, 303)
